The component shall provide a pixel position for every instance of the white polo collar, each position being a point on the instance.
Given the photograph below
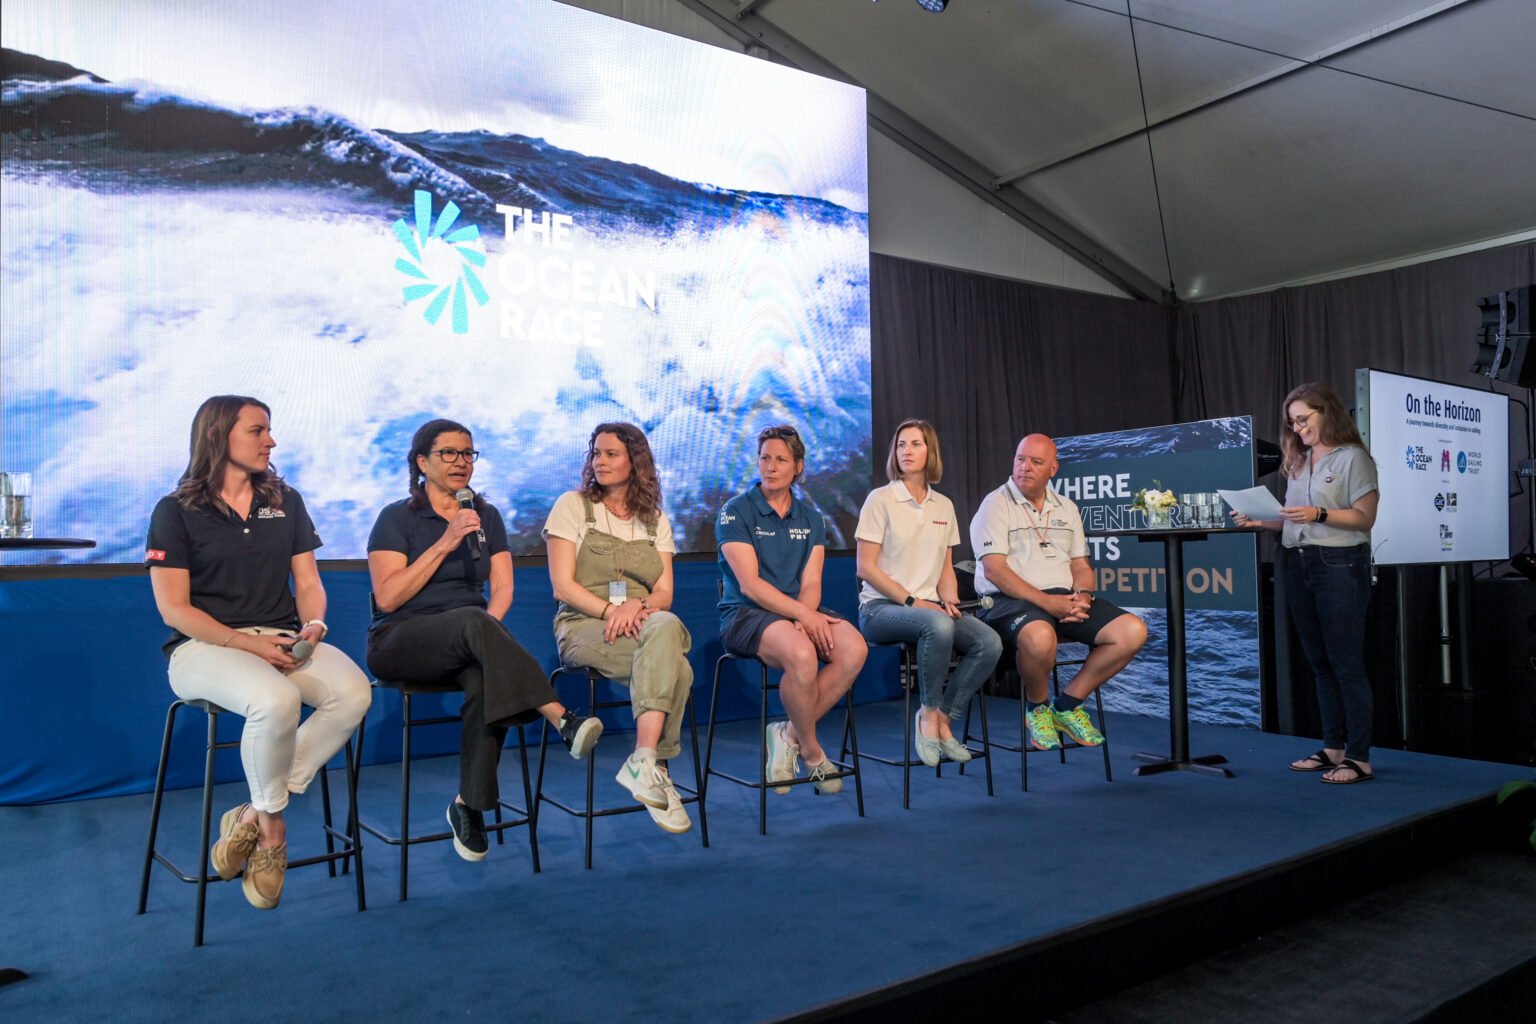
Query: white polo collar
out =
(1017, 496)
(898, 489)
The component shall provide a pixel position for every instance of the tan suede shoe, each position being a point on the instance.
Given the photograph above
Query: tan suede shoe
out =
(263, 882)
(237, 840)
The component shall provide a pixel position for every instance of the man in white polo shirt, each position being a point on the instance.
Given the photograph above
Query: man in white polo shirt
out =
(1032, 556)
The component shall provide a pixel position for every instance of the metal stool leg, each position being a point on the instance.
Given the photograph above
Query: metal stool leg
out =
(762, 756)
(203, 865)
(405, 792)
(154, 807)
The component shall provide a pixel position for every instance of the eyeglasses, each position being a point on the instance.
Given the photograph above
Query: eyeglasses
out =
(1301, 421)
(453, 454)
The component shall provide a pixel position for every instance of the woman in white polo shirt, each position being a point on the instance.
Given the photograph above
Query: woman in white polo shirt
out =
(906, 534)
(1325, 536)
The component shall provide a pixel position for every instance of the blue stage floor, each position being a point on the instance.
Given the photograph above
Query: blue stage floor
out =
(825, 906)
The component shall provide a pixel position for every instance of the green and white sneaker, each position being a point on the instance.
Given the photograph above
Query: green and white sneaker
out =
(1078, 725)
(674, 817)
(643, 779)
(1042, 728)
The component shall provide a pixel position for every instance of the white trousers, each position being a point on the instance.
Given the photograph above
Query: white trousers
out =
(280, 756)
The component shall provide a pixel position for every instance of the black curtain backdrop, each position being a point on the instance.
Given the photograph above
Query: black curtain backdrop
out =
(989, 360)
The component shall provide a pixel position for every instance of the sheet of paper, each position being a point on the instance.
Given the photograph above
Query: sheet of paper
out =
(1255, 502)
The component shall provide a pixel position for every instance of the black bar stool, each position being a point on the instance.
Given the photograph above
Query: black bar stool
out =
(1024, 749)
(761, 784)
(350, 839)
(403, 838)
(908, 652)
(589, 812)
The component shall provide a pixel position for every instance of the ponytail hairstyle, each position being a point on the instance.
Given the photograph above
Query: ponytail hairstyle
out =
(422, 445)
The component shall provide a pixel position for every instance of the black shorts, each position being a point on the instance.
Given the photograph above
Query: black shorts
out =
(742, 630)
(1008, 615)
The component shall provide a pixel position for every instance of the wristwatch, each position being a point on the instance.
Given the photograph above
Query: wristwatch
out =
(1322, 514)
(910, 601)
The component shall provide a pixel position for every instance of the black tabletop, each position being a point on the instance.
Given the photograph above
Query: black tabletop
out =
(35, 543)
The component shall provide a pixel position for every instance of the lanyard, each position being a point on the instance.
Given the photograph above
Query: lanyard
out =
(1029, 512)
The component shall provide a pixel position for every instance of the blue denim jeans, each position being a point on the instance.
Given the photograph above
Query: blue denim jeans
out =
(937, 636)
(1327, 590)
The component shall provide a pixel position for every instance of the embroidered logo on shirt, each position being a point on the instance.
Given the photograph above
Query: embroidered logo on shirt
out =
(799, 532)
(760, 532)
(986, 544)
(152, 555)
(941, 522)
(270, 513)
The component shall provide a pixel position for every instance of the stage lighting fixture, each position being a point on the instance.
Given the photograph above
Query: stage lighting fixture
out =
(935, 6)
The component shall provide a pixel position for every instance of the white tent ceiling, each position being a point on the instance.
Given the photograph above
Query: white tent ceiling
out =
(1289, 140)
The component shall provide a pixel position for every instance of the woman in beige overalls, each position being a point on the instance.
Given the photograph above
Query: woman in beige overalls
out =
(610, 560)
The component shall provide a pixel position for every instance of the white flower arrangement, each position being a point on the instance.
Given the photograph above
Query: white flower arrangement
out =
(1150, 499)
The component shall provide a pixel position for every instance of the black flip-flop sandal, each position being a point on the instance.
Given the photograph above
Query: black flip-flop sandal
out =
(1361, 775)
(1323, 764)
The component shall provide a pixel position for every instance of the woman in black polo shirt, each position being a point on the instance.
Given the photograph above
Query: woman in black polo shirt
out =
(429, 558)
(222, 548)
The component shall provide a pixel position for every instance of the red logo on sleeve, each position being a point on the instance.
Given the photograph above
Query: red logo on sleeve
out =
(154, 556)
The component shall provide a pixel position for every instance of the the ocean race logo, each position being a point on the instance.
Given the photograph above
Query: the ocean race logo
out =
(1417, 458)
(442, 259)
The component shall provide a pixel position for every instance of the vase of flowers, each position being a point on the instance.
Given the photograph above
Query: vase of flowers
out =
(1155, 504)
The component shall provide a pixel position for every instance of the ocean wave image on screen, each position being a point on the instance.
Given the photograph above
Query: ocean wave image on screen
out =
(1223, 668)
(159, 248)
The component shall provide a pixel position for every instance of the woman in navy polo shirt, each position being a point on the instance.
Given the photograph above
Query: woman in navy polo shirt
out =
(910, 594)
(222, 549)
(429, 558)
(772, 546)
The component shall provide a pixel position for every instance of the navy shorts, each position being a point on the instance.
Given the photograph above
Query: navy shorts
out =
(742, 630)
(1008, 615)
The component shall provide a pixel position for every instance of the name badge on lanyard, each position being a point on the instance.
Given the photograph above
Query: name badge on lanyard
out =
(618, 592)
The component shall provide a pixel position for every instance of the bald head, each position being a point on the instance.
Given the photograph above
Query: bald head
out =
(1034, 463)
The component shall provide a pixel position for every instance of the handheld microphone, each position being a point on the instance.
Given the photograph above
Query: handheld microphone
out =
(467, 500)
(301, 650)
(982, 603)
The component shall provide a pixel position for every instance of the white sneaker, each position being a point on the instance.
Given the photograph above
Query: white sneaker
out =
(642, 778)
(782, 756)
(818, 774)
(674, 818)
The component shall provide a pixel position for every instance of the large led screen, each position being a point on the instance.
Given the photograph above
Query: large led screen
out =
(516, 214)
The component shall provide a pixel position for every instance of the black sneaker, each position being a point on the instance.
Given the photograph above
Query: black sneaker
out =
(580, 734)
(468, 831)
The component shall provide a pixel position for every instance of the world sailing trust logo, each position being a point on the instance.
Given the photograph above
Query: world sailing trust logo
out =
(444, 281)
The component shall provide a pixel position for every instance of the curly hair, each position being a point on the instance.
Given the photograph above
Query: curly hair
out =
(208, 455)
(421, 444)
(1334, 426)
(644, 497)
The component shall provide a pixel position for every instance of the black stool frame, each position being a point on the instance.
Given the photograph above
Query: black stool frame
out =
(908, 652)
(403, 838)
(761, 784)
(692, 795)
(1024, 749)
(350, 839)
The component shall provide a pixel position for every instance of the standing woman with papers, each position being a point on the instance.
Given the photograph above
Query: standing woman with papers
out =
(1325, 533)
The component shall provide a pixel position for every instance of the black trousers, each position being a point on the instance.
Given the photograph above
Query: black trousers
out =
(466, 649)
